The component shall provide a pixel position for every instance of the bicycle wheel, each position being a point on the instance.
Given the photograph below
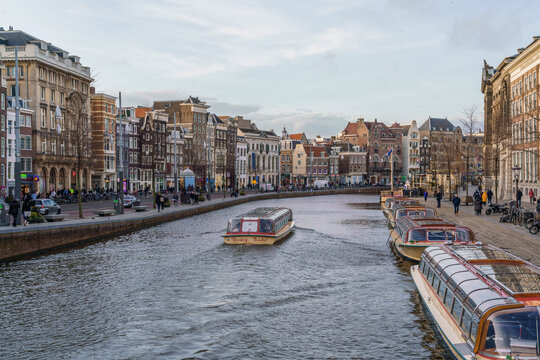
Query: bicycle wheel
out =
(520, 220)
(489, 211)
(534, 229)
(529, 223)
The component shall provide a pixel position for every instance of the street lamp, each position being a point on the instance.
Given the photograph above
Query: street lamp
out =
(517, 171)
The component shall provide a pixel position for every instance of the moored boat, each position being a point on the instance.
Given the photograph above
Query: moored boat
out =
(412, 234)
(391, 203)
(484, 302)
(261, 226)
(386, 194)
(409, 210)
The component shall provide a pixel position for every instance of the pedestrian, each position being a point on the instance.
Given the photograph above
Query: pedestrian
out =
(478, 205)
(14, 206)
(425, 195)
(531, 195)
(439, 198)
(484, 198)
(158, 201)
(538, 206)
(456, 200)
(519, 194)
(490, 196)
(175, 199)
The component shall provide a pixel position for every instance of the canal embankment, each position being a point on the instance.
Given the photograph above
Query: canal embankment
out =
(22, 241)
(487, 229)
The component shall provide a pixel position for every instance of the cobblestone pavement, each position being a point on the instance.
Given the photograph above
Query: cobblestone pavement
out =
(515, 239)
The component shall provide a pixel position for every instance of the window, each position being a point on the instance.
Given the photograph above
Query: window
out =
(44, 146)
(53, 120)
(3, 147)
(42, 93)
(29, 120)
(3, 123)
(9, 147)
(3, 104)
(3, 175)
(62, 98)
(53, 146)
(62, 148)
(52, 96)
(43, 118)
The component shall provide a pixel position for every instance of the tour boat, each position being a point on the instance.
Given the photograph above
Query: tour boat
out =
(409, 210)
(391, 203)
(412, 234)
(484, 302)
(385, 194)
(261, 226)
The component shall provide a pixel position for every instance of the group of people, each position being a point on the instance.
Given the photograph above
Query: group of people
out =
(481, 197)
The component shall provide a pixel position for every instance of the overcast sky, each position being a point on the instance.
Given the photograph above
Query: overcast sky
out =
(310, 65)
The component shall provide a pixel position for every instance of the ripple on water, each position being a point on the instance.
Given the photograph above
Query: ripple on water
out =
(333, 289)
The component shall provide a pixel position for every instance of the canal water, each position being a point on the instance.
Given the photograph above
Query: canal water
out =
(333, 289)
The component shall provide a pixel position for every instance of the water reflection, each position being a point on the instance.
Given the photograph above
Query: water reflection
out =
(333, 289)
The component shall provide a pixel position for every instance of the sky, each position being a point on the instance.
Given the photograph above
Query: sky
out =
(308, 65)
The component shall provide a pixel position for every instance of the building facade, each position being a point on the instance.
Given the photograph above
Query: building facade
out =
(49, 78)
(104, 115)
(241, 162)
(411, 150)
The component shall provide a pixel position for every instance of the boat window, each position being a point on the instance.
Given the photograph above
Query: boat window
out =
(266, 226)
(436, 282)
(463, 235)
(448, 299)
(442, 290)
(513, 331)
(234, 225)
(457, 310)
(466, 322)
(417, 235)
(474, 328)
(249, 226)
(430, 276)
(441, 235)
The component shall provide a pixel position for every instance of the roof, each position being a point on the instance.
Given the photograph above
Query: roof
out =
(437, 124)
(296, 136)
(405, 129)
(20, 38)
(395, 126)
(316, 149)
(140, 112)
(351, 128)
(193, 100)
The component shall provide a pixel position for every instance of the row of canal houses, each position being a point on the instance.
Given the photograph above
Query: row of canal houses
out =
(69, 130)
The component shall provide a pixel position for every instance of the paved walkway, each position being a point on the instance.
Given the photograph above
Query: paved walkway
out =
(488, 230)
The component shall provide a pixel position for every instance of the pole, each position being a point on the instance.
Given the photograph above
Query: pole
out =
(120, 208)
(311, 167)
(17, 169)
(175, 162)
(391, 169)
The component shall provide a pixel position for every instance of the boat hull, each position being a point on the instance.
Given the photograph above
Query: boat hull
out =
(258, 239)
(446, 327)
(408, 251)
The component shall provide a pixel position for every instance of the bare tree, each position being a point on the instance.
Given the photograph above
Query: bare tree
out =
(79, 130)
(469, 126)
(447, 159)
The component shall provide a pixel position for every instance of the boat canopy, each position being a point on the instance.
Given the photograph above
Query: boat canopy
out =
(262, 220)
(489, 292)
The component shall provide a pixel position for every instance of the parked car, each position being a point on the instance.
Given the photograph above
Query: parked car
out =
(130, 200)
(46, 206)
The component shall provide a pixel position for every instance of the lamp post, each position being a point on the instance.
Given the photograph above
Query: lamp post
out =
(120, 208)
(516, 171)
(175, 153)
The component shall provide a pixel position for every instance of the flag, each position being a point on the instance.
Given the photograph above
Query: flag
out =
(418, 162)
(388, 153)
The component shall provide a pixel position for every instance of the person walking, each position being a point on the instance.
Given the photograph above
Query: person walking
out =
(14, 207)
(531, 196)
(439, 198)
(484, 198)
(478, 205)
(489, 195)
(158, 201)
(456, 200)
(425, 195)
(519, 195)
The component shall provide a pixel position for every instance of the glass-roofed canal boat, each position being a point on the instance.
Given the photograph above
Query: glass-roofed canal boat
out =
(412, 234)
(401, 210)
(391, 203)
(261, 226)
(484, 301)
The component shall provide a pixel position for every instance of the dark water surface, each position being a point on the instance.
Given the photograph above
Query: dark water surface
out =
(332, 290)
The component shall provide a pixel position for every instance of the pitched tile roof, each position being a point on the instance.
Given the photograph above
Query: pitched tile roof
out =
(437, 124)
(296, 136)
(317, 150)
(140, 112)
(351, 128)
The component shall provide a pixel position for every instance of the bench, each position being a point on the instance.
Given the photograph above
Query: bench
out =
(104, 212)
(52, 218)
(140, 208)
